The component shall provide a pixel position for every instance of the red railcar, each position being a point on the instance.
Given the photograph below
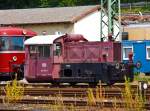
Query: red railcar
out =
(73, 59)
(12, 51)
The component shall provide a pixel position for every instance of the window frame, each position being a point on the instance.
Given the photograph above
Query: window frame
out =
(41, 53)
(57, 51)
(147, 56)
(126, 47)
(12, 43)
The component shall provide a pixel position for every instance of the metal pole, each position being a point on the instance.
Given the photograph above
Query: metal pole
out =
(119, 17)
(101, 12)
(110, 9)
(110, 20)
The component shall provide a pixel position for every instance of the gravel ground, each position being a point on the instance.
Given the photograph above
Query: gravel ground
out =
(39, 107)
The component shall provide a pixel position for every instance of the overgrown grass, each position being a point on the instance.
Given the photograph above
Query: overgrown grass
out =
(14, 91)
(138, 77)
(133, 101)
(136, 10)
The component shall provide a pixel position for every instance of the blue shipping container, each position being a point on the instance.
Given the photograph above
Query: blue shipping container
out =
(141, 53)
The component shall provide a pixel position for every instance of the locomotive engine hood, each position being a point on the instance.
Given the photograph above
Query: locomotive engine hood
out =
(71, 38)
(50, 39)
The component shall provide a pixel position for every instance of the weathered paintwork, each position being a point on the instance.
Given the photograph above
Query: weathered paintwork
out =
(92, 52)
(74, 59)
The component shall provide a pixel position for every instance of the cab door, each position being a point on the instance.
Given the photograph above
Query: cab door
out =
(40, 63)
(31, 63)
(44, 62)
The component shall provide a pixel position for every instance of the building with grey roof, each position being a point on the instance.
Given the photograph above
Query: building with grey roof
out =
(45, 15)
(81, 19)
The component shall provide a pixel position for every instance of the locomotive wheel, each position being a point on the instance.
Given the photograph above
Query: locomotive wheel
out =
(110, 83)
(20, 73)
(147, 74)
(72, 83)
(55, 83)
(20, 76)
(12, 76)
(93, 84)
(131, 79)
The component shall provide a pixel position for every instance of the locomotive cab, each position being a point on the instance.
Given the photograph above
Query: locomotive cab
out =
(39, 57)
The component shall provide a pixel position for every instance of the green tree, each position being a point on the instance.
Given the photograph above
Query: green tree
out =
(53, 3)
(17, 4)
(64, 3)
(44, 3)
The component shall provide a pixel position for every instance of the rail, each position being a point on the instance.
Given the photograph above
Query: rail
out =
(73, 95)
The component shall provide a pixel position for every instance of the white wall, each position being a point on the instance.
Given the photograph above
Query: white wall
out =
(89, 26)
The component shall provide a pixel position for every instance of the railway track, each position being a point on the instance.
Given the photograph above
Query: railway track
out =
(69, 91)
(78, 102)
(83, 85)
(76, 95)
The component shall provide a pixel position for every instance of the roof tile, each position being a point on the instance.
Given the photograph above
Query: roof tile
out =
(45, 15)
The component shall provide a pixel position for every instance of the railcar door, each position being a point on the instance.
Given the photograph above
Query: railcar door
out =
(139, 49)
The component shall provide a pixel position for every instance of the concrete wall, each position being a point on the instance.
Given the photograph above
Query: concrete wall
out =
(50, 28)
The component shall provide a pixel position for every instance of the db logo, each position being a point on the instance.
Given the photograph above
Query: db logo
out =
(44, 64)
(14, 58)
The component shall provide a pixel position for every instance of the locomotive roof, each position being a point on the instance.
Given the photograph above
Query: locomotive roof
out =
(41, 39)
(16, 31)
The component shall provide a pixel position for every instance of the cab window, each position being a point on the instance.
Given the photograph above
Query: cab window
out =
(40, 51)
(57, 49)
(33, 51)
(44, 51)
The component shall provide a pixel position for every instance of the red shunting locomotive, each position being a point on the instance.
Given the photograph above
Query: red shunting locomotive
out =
(12, 52)
(71, 58)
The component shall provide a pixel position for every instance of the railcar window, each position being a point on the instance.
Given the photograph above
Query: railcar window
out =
(148, 52)
(17, 43)
(11, 43)
(58, 49)
(126, 51)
